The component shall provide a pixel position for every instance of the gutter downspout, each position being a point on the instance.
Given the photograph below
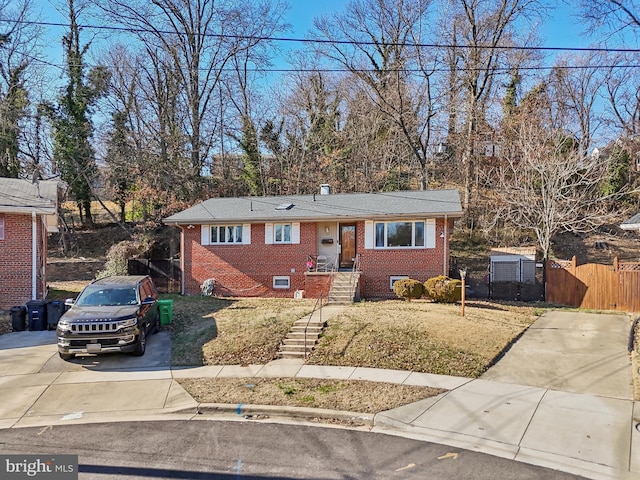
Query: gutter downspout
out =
(182, 275)
(34, 255)
(445, 247)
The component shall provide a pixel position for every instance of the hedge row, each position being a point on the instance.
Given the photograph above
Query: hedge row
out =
(440, 289)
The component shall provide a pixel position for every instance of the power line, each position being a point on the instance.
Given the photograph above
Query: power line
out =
(327, 41)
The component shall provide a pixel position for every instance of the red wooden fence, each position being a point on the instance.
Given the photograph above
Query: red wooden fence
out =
(593, 285)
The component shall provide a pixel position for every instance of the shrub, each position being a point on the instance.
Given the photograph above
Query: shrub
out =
(443, 289)
(120, 253)
(407, 288)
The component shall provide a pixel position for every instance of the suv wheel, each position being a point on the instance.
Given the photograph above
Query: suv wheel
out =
(141, 346)
(66, 356)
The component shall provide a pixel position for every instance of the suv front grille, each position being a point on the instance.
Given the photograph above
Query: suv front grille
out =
(94, 327)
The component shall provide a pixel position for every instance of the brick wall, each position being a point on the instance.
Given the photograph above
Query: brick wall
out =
(317, 284)
(15, 261)
(378, 266)
(248, 270)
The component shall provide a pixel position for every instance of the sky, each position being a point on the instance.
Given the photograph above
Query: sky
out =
(561, 29)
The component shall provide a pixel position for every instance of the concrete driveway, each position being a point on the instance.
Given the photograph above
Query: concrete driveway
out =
(36, 352)
(573, 352)
(38, 387)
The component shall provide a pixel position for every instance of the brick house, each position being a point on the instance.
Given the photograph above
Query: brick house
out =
(28, 212)
(298, 245)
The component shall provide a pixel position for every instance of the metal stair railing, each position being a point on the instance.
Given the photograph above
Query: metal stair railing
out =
(355, 276)
(315, 307)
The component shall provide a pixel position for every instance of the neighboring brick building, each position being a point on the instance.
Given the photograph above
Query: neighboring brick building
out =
(275, 246)
(28, 212)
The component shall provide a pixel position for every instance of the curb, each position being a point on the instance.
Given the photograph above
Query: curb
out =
(261, 412)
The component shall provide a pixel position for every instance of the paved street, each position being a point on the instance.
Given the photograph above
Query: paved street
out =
(258, 450)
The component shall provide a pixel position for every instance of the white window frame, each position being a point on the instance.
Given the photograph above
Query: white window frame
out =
(429, 234)
(206, 234)
(278, 278)
(2, 223)
(413, 234)
(283, 231)
(229, 235)
(394, 278)
(270, 233)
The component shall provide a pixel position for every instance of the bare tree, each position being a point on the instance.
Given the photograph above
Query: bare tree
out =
(382, 49)
(547, 184)
(307, 143)
(615, 17)
(18, 43)
(623, 95)
(200, 38)
(576, 82)
(483, 31)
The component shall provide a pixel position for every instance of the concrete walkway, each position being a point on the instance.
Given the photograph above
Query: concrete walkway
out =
(594, 435)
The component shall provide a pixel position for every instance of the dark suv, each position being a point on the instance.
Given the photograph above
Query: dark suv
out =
(112, 314)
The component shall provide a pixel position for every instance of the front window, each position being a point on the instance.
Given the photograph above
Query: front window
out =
(226, 234)
(1, 226)
(399, 234)
(282, 233)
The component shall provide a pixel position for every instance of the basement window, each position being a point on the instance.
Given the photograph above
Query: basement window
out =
(394, 279)
(281, 282)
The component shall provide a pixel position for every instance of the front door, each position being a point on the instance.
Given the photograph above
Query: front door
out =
(347, 244)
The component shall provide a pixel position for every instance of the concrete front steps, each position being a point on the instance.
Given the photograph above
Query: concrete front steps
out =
(342, 291)
(294, 344)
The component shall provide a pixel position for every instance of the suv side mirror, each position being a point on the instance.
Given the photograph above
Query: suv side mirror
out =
(69, 301)
(149, 301)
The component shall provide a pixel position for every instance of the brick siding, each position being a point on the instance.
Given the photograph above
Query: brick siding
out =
(379, 265)
(15, 261)
(248, 270)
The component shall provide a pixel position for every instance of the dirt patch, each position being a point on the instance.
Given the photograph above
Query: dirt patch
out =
(599, 247)
(72, 270)
(344, 395)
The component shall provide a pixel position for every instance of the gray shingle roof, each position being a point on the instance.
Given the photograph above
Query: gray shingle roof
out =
(632, 223)
(23, 196)
(352, 206)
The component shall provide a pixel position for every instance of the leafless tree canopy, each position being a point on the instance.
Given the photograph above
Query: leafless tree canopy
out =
(210, 98)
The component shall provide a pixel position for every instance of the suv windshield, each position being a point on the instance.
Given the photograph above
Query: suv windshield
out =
(99, 296)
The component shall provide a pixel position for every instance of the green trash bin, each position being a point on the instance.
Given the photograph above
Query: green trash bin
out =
(166, 311)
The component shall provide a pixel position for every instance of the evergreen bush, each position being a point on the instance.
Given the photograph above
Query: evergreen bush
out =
(443, 289)
(407, 288)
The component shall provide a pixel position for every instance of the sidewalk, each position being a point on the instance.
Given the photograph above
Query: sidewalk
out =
(590, 435)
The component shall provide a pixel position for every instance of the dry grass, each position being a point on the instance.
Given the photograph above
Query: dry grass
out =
(422, 336)
(215, 331)
(345, 395)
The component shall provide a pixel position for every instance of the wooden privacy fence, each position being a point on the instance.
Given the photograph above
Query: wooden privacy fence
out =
(593, 285)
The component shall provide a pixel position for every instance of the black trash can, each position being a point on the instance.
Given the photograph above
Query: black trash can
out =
(55, 309)
(19, 318)
(37, 314)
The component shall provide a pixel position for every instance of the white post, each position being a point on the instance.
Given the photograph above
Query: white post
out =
(34, 255)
